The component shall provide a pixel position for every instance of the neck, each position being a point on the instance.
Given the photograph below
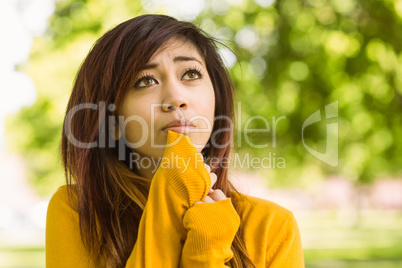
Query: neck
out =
(145, 169)
(147, 173)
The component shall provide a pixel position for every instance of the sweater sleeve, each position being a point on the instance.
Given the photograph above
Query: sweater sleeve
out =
(211, 229)
(173, 230)
(180, 181)
(286, 249)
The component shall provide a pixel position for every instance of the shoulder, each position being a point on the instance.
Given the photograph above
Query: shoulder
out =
(270, 232)
(61, 211)
(64, 198)
(261, 208)
(264, 217)
(64, 247)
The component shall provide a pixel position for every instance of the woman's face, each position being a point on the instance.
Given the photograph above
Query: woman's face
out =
(176, 76)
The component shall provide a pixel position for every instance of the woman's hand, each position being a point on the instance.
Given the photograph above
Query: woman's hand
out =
(210, 228)
(213, 195)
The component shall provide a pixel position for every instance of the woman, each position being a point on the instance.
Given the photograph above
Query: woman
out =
(150, 103)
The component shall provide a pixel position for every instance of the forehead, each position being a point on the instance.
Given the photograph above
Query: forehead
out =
(177, 47)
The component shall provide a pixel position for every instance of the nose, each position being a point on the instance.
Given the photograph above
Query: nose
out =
(174, 97)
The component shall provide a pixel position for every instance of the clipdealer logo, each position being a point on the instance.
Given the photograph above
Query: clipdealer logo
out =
(330, 156)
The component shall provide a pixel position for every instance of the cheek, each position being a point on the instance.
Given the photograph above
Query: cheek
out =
(135, 130)
(136, 125)
(205, 109)
(211, 105)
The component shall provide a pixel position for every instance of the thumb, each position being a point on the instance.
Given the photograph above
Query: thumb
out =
(213, 176)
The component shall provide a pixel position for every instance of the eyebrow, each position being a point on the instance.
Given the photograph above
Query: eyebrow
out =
(176, 59)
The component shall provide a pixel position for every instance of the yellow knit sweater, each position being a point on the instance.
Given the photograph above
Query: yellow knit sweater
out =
(174, 232)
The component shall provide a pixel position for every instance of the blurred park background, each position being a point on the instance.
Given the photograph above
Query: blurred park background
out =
(294, 57)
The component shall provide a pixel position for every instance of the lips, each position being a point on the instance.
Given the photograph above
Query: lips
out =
(179, 126)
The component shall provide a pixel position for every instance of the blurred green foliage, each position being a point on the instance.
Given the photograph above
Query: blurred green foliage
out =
(295, 57)
(308, 54)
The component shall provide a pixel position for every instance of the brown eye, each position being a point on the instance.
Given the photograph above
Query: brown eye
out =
(148, 81)
(145, 82)
(192, 75)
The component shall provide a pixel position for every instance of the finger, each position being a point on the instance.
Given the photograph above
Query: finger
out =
(214, 178)
(209, 200)
(217, 195)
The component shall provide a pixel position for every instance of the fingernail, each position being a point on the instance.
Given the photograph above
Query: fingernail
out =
(210, 191)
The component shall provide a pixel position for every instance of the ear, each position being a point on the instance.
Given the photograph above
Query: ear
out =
(114, 131)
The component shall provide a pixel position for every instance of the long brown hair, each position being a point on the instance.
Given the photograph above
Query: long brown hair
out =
(110, 196)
